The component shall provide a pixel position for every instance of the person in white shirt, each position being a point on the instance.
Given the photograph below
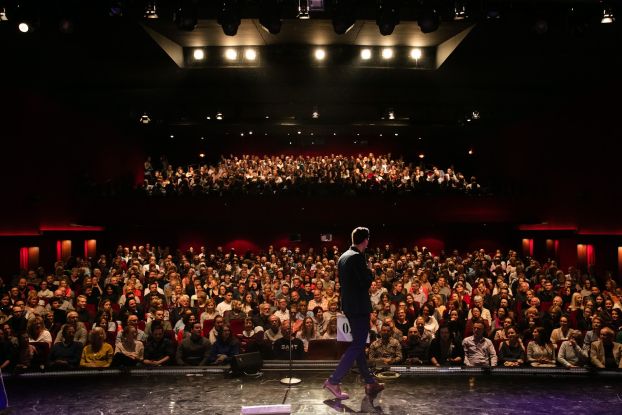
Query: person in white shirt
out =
(282, 313)
(225, 305)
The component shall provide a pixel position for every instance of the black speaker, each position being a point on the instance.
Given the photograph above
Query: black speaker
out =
(247, 363)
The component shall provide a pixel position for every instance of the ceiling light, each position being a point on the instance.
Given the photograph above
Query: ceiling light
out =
(151, 10)
(229, 17)
(198, 54)
(172, 136)
(320, 54)
(366, 54)
(387, 53)
(388, 16)
(460, 10)
(608, 16)
(416, 53)
(219, 116)
(471, 152)
(270, 15)
(201, 155)
(315, 115)
(23, 27)
(231, 54)
(208, 117)
(421, 155)
(250, 54)
(391, 114)
(475, 114)
(144, 119)
(3, 17)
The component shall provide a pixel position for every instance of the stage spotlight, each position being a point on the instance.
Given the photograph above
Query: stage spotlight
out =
(391, 114)
(3, 17)
(475, 115)
(219, 116)
(198, 54)
(387, 53)
(187, 15)
(608, 16)
(303, 9)
(250, 54)
(320, 54)
(460, 10)
(231, 54)
(24, 27)
(429, 19)
(229, 17)
(415, 53)
(366, 54)
(343, 12)
(388, 16)
(144, 119)
(270, 15)
(151, 10)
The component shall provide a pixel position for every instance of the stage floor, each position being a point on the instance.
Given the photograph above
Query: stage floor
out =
(214, 394)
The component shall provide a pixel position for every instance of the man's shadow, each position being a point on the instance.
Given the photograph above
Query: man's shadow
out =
(367, 406)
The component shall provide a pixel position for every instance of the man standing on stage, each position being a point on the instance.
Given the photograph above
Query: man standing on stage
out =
(355, 276)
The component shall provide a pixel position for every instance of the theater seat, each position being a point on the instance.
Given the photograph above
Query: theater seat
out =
(208, 325)
(237, 326)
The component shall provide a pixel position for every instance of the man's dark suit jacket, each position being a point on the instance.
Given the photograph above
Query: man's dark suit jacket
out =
(355, 279)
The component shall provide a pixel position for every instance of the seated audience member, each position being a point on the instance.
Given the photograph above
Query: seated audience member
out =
(37, 331)
(7, 351)
(79, 329)
(158, 316)
(129, 351)
(502, 334)
(562, 332)
(158, 349)
(307, 332)
(193, 350)
(132, 321)
(592, 335)
(274, 331)
(66, 354)
(571, 354)
(445, 349)
(219, 322)
(210, 312)
(331, 330)
(476, 317)
(225, 348)
(386, 350)
(98, 353)
(281, 346)
(512, 351)
(417, 346)
(605, 353)
(478, 350)
(540, 351)
(321, 321)
(236, 312)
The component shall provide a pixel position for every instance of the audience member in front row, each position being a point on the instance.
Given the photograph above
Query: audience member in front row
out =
(478, 350)
(386, 350)
(158, 349)
(98, 353)
(193, 350)
(417, 347)
(540, 351)
(605, 353)
(512, 351)
(129, 351)
(219, 322)
(225, 348)
(281, 346)
(66, 354)
(331, 330)
(7, 351)
(571, 354)
(308, 332)
(445, 349)
(592, 335)
(274, 332)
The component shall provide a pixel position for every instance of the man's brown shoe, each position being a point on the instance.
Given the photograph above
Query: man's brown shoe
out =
(373, 389)
(335, 390)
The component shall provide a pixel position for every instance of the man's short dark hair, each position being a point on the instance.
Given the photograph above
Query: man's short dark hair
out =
(359, 235)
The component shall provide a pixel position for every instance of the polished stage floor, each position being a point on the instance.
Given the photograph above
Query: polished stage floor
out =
(212, 393)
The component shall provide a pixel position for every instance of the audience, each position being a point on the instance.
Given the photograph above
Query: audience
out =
(297, 174)
(443, 309)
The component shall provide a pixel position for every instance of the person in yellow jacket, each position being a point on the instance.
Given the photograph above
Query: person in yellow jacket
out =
(98, 354)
